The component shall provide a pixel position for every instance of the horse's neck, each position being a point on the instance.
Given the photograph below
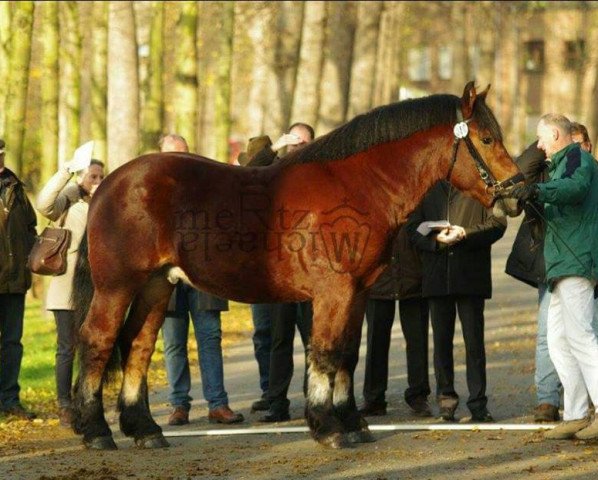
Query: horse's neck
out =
(400, 173)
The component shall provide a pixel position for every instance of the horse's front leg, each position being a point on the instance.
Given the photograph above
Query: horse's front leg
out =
(331, 411)
(97, 339)
(138, 341)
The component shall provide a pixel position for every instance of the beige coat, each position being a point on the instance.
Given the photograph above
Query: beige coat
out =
(51, 203)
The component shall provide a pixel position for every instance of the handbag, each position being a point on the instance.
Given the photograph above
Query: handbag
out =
(49, 253)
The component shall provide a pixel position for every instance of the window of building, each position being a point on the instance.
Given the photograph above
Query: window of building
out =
(575, 54)
(534, 56)
(420, 64)
(445, 63)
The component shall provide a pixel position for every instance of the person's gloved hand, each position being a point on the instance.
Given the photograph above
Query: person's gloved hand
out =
(524, 193)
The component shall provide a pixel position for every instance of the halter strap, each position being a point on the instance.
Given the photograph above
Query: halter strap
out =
(461, 132)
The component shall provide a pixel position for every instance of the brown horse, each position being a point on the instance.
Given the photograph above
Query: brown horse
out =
(316, 226)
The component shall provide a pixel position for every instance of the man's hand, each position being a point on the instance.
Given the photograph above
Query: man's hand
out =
(449, 236)
(524, 193)
(285, 140)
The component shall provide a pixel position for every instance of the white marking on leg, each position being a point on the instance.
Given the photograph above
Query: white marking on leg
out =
(130, 388)
(318, 387)
(342, 382)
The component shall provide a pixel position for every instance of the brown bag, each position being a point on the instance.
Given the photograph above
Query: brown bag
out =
(48, 255)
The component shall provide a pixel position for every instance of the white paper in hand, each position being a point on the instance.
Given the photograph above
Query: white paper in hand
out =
(81, 157)
(426, 227)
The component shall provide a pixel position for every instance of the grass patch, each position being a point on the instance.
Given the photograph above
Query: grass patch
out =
(38, 385)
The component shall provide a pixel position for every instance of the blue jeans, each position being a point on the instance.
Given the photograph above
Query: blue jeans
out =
(261, 314)
(12, 310)
(548, 385)
(208, 335)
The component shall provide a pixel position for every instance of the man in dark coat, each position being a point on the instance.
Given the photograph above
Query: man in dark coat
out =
(205, 313)
(17, 234)
(402, 281)
(283, 316)
(526, 263)
(456, 277)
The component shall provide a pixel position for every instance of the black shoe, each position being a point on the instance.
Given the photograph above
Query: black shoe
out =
(482, 417)
(272, 417)
(374, 409)
(420, 407)
(260, 405)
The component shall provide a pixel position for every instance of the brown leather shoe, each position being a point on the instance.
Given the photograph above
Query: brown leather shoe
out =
(179, 416)
(225, 415)
(377, 409)
(545, 412)
(19, 411)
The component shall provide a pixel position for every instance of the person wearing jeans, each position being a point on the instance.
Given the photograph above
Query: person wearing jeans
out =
(208, 334)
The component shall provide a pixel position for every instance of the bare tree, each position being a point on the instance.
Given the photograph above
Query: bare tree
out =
(223, 83)
(4, 59)
(49, 91)
(364, 57)
(99, 78)
(20, 54)
(336, 71)
(306, 97)
(154, 105)
(123, 84)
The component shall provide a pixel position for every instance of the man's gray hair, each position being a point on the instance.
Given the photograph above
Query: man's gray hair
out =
(559, 121)
(172, 137)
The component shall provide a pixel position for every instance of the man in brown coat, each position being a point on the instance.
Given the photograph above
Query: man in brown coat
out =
(17, 234)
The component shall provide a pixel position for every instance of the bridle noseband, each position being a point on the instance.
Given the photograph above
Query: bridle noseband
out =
(493, 186)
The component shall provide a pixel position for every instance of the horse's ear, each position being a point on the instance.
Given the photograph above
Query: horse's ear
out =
(484, 93)
(468, 100)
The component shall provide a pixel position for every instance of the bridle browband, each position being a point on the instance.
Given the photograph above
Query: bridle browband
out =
(461, 132)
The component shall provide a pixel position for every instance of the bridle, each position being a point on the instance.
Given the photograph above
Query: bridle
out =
(493, 186)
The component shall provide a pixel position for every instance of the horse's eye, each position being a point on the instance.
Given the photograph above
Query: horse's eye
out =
(487, 140)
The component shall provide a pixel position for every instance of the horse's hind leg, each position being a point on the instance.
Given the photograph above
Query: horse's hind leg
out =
(330, 411)
(138, 340)
(97, 340)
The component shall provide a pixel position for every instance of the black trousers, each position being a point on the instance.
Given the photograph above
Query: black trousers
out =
(65, 354)
(380, 315)
(443, 312)
(285, 316)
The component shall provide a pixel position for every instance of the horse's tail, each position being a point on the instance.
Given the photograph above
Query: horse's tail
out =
(81, 297)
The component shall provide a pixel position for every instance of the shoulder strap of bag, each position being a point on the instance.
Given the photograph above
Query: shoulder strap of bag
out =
(65, 212)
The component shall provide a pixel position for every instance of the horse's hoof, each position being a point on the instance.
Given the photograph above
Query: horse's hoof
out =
(361, 436)
(100, 443)
(336, 441)
(152, 441)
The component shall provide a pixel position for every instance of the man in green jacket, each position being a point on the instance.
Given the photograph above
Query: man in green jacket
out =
(570, 201)
(17, 234)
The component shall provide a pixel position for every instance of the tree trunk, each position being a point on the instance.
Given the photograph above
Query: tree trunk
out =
(306, 97)
(284, 42)
(20, 54)
(99, 79)
(223, 83)
(154, 106)
(336, 71)
(123, 85)
(70, 85)
(364, 57)
(49, 92)
(186, 77)
(4, 60)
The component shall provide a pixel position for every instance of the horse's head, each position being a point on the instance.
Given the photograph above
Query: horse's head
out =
(480, 164)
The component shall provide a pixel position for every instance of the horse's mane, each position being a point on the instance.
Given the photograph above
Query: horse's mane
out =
(388, 123)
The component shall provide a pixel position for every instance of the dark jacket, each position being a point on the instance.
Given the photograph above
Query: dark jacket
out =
(526, 260)
(17, 234)
(205, 301)
(402, 279)
(463, 268)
